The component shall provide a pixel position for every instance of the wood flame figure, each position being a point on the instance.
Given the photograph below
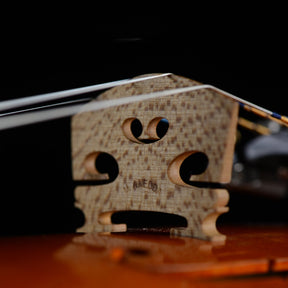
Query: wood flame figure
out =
(156, 164)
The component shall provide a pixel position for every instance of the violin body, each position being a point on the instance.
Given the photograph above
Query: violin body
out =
(58, 51)
(251, 256)
(126, 161)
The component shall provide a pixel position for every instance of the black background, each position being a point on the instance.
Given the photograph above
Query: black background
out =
(241, 49)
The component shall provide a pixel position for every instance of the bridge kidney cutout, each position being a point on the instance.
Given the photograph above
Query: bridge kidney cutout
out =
(101, 166)
(186, 165)
(156, 130)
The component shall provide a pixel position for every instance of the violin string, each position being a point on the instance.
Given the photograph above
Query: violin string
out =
(40, 116)
(260, 129)
(41, 98)
(64, 103)
(251, 107)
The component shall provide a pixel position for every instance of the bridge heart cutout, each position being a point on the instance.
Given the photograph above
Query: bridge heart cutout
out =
(156, 130)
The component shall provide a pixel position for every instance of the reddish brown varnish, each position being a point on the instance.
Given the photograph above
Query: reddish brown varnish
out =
(250, 257)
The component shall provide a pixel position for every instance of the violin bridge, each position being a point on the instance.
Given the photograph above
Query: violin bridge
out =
(142, 160)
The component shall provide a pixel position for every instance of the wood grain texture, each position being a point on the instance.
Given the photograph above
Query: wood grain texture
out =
(199, 121)
(250, 257)
(247, 251)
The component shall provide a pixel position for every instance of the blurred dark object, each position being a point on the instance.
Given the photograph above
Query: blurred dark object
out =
(259, 185)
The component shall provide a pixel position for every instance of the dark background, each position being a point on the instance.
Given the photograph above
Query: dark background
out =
(240, 49)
